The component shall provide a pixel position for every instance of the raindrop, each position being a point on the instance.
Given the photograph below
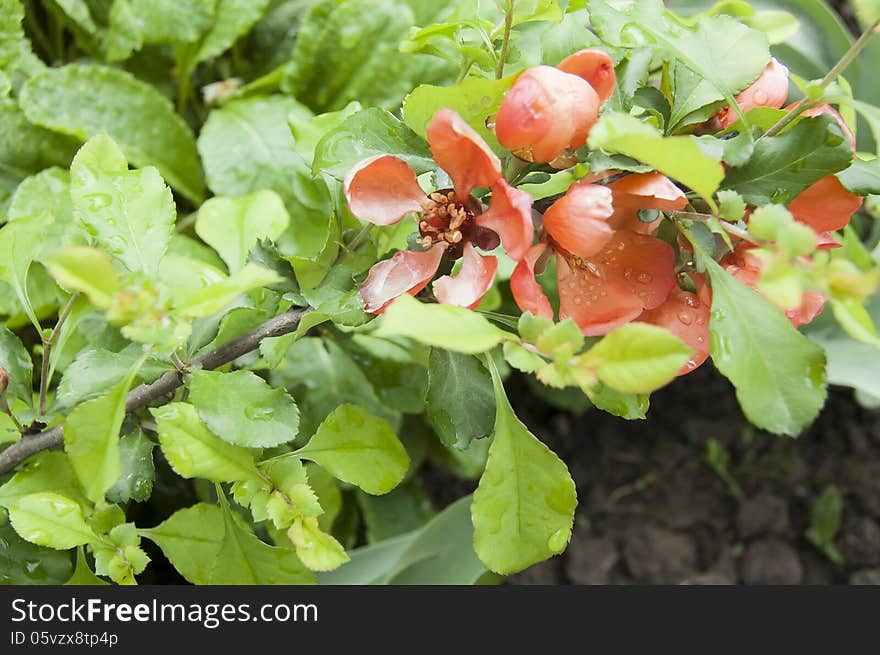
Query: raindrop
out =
(686, 318)
(645, 278)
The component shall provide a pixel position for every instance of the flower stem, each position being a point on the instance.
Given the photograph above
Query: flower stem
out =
(505, 40)
(47, 351)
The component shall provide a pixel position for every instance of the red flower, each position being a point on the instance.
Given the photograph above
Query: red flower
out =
(746, 268)
(605, 277)
(549, 111)
(686, 315)
(640, 191)
(769, 90)
(383, 190)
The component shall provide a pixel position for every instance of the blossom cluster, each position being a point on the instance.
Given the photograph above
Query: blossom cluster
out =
(611, 266)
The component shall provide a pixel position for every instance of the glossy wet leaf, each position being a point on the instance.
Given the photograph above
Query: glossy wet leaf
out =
(232, 19)
(222, 293)
(318, 550)
(360, 448)
(242, 409)
(45, 472)
(83, 576)
(136, 22)
(460, 404)
(50, 519)
(193, 451)
(24, 563)
(523, 508)
(135, 483)
(83, 100)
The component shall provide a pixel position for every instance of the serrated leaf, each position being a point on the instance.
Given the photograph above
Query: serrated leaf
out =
(233, 226)
(232, 19)
(136, 480)
(242, 409)
(460, 403)
(443, 326)
(87, 270)
(637, 358)
(778, 373)
(359, 448)
(91, 438)
(132, 112)
(318, 550)
(523, 508)
(194, 452)
(222, 293)
(51, 520)
(45, 472)
(782, 166)
(134, 23)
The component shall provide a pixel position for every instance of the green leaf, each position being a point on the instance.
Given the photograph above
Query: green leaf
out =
(247, 146)
(245, 560)
(731, 206)
(242, 409)
(401, 510)
(460, 404)
(24, 563)
(190, 539)
(91, 438)
(625, 405)
(194, 452)
(679, 157)
(88, 270)
(367, 133)
(523, 508)
(11, 34)
(15, 360)
(136, 480)
(474, 99)
(349, 51)
(782, 166)
(50, 519)
(233, 226)
(443, 326)
(45, 193)
(440, 552)
(318, 550)
(130, 214)
(233, 19)
(825, 515)
(136, 22)
(49, 471)
(132, 112)
(219, 295)
(862, 177)
(637, 358)
(26, 148)
(21, 242)
(778, 373)
(359, 448)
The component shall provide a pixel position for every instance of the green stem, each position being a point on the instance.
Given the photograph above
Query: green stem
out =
(730, 228)
(835, 72)
(505, 40)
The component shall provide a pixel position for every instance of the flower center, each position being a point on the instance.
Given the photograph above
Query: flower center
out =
(445, 219)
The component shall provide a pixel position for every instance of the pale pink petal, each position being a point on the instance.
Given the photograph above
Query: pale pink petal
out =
(594, 66)
(769, 90)
(825, 205)
(643, 191)
(527, 293)
(578, 222)
(687, 317)
(510, 216)
(467, 287)
(406, 272)
(462, 153)
(382, 190)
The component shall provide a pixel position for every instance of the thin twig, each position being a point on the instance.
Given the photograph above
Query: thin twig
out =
(47, 350)
(144, 394)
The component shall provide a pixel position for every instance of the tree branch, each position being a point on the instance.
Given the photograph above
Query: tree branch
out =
(144, 394)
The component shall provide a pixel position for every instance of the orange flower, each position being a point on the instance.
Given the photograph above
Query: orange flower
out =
(383, 190)
(769, 90)
(549, 111)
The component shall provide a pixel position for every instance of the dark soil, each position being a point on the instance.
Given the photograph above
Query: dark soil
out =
(652, 510)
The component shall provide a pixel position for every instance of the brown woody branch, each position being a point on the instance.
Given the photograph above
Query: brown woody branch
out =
(144, 394)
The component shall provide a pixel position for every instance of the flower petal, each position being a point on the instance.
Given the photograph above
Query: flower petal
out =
(382, 190)
(811, 306)
(527, 293)
(643, 264)
(596, 304)
(462, 153)
(687, 317)
(643, 191)
(578, 222)
(407, 271)
(769, 90)
(545, 112)
(467, 287)
(510, 216)
(825, 205)
(594, 66)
